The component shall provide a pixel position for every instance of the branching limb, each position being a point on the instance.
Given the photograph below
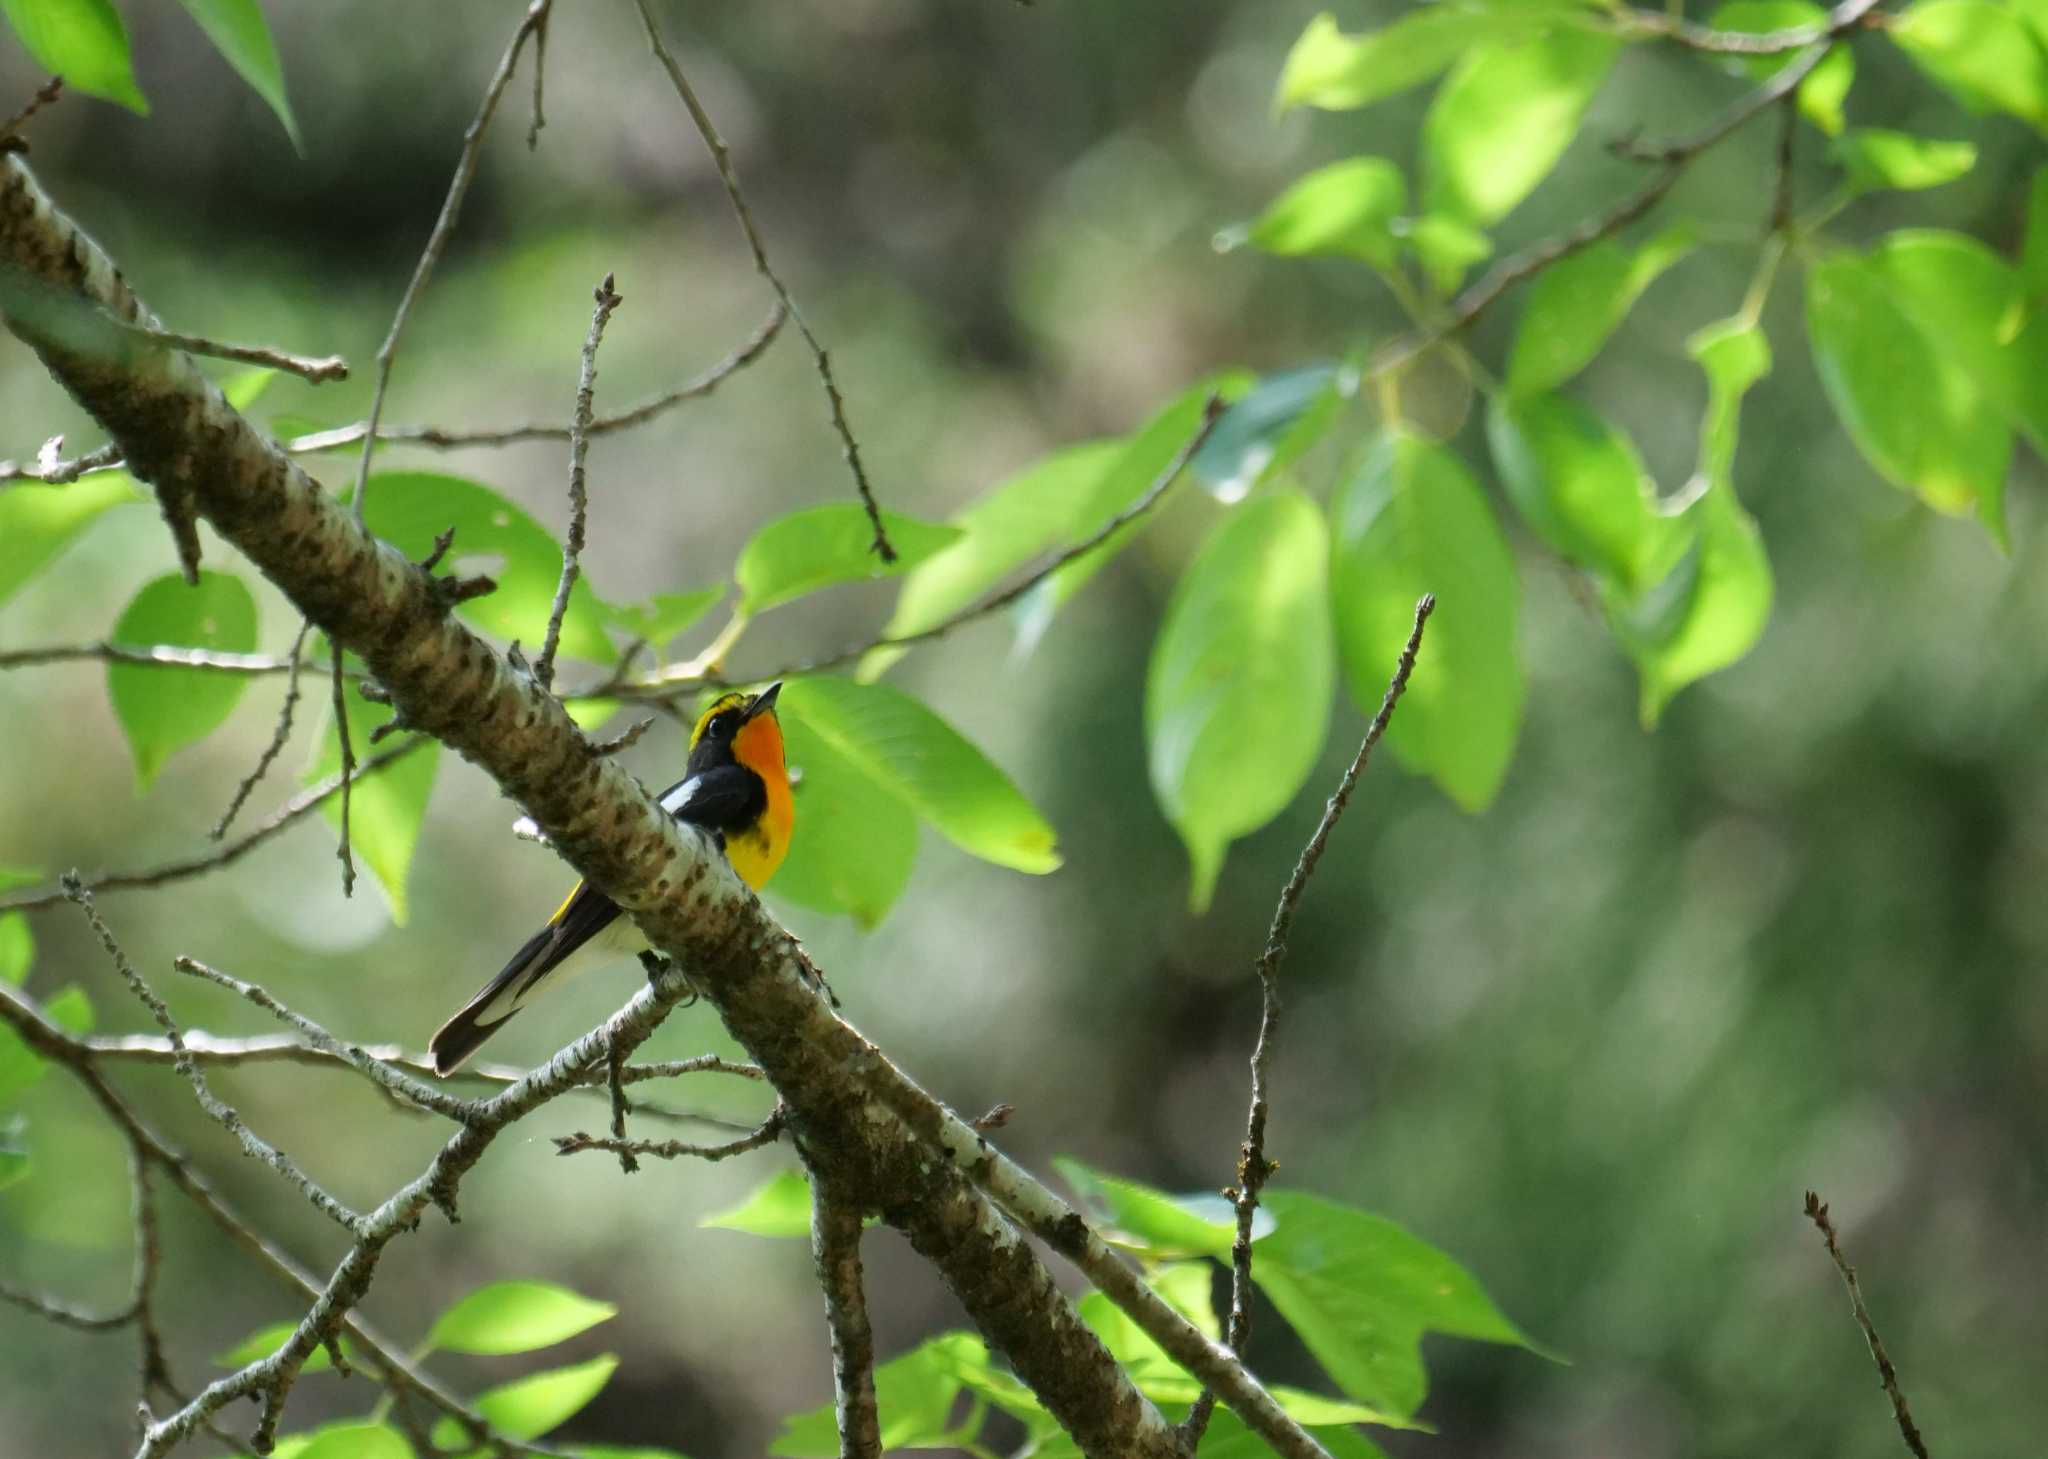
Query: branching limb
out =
(534, 21)
(1254, 1168)
(722, 156)
(835, 1248)
(277, 739)
(579, 504)
(766, 1133)
(224, 1114)
(1817, 1212)
(306, 801)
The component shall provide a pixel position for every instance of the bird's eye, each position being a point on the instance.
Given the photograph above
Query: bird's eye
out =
(720, 726)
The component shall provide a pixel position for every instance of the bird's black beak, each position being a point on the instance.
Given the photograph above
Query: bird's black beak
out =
(763, 702)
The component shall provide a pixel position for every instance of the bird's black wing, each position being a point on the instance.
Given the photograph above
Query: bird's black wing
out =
(721, 798)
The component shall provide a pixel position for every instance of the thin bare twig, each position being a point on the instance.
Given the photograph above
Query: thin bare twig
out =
(147, 656)
(540, 77)
(46, 94)
(835, 1249)
(1254, 1168)
(667, 683)
(579, 504)
(721, 155)
(306, 801)
(348, 770)
(1694, 36)
(277, 739)
(226, 1115)
(765, 1133)
(1887, 1375)
(444, 227)
(317, 371)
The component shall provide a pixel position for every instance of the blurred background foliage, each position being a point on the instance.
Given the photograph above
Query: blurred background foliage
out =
(1594, 1041)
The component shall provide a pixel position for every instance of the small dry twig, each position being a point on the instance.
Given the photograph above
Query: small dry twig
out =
(348, 770)
(10, 130)
(579, 505)
(1887, 1375)
(765, 1133)
(317, 371)
(277, 739)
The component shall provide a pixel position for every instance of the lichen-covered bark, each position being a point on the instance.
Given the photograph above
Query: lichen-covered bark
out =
(844, 1098)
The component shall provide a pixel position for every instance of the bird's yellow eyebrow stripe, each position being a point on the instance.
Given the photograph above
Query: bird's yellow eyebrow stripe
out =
(565, 904)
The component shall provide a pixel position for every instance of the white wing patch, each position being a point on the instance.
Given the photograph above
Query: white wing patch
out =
(681, 796)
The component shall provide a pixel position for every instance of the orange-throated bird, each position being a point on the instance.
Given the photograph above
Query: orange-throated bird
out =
(735, 784)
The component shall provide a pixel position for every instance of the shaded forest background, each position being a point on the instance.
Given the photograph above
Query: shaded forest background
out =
(1595, 1042)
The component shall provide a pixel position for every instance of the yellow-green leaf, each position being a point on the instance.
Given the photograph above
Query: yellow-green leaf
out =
(81, 40)
(38, 522)
(1576, 304)
(531, 1406)
(820, 547)
(387, 809)
(238, 31)
(163, 710)
(516, 1317)
(780, 1206)
(855, 839)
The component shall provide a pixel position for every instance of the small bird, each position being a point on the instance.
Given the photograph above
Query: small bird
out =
(735, 783)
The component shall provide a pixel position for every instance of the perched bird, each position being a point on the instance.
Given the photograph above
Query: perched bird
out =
(735, 784)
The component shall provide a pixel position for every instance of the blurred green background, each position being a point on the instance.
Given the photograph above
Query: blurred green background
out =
(1595, 1042)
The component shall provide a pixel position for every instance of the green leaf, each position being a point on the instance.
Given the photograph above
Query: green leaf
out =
(1237, 697)
(910, 752)
(1270, 427)
(1361, 1292)
(1345, 209)
(163, 710)
(1876, 158)
(38, 522)
(914, 1397)
(856, 841)
(1712, 608)
(820, 547)
(2033, 274)
(1189, 1288)
(780, 1206)
(1228, 1438)
(71, 1009)
(267, 1340)
(359, 1441)
(1826, 88)
(1339, 72)
(1143, 458)
(1581, 487)
(662, 618)
(1150, 1221)
(622, 1451)
(387, 809)
(516, 1317)
(531, 1406)
(1037, 509)
(1982, 53)
(1505, 116)
(17, 948)
(1413, 521)
(1917, 415)
(495, 535)
(1578, 302)
(238, 32)
(244, 388)
(1447, 248)
(81, 40)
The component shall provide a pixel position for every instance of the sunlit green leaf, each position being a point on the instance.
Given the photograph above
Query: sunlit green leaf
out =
(238, 31)
(1876, 159)
(1578, 302)
(70, 1008)
(17, 948)
(387, 809)
(81, 40)
(1711, 609)
(1228, 1438)
(1344, 209)
(1237, 697)
(1329, 69)
(267, 1340)
(496, 536)
(1826, 88)
(1040, 508)
(1412, 521)
(1916, 414)
(819, 547)
(1505, 116)
(244, 388)
(531, 1406)
(38, 522)
(1189, 1288)
(516, 1317)
(1986, 56)
(780, 1206)
(662, 617)
(856, 839)
(1361, 1292)
(358, 1441)
(1145, 456)
(1581, 487)
(916, 756)
(1447, 248)
(1151, 1221)
(1269, 428)
(163, 710)
(914, 1396)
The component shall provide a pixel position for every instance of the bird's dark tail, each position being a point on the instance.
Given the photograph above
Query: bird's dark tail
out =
(491, 1009)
